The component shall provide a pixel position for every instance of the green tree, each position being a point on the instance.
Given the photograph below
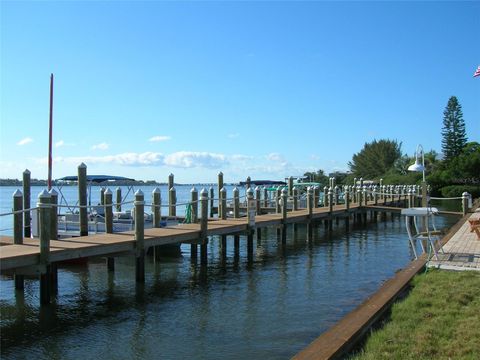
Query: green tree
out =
(375, 159)
(454, 137)
(318, 176)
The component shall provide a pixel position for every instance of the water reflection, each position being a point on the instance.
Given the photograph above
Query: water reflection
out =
(268, 304)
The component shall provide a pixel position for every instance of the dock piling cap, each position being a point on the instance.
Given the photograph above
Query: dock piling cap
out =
(17, 193)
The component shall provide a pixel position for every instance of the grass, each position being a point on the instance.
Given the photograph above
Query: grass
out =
(439, 319)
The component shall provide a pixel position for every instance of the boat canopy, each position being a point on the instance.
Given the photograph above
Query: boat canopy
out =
(96, 178)
(263, 182)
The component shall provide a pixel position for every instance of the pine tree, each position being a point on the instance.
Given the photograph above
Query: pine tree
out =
(454, 137)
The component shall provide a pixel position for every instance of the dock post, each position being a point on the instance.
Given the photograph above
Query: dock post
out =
(236, 203)
(139, 204)
(295, 198)
(310, 202)
(465, 198)
(223, 204)
(257, 200)
(278, 204)
(316, 196)
(203, 226)
(336, 192)
(118, 204)
(220, 186)
(265, 196)
(194, 219)
(330, 208)
(172, 202)
(54, 236)
(346, 196)
(325, 196)
(290, 186)
(284, 205)
(108, 206)
(18, 230)
(171, 181)
(251, 223)
(44, 212)
(248, 183)
(26, 203)
(236, 215)
(156, 207)
(375, 195)
(212, 200)
(82, 198)
(102, 196)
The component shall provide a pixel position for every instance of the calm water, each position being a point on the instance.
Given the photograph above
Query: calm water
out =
(268, 308)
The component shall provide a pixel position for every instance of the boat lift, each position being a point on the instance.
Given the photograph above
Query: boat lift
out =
(420, 224)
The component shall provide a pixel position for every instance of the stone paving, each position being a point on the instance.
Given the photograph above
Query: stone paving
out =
(462, 251)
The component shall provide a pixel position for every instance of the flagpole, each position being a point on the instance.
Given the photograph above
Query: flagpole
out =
(50, 135)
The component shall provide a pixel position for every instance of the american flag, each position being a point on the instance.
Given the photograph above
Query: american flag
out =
(477, 72)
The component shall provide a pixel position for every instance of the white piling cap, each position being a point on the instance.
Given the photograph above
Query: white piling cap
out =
(139, 193)
(156, 191)
(53, 192)
(17, 193)
(107, 191)
(194, 189)
(44, 194)
(223, 190)
(82, 165)
(27, 171)
(204, 192)
(220, 173)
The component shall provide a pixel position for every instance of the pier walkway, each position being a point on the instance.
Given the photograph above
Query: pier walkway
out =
(27, 254)
(462, 251)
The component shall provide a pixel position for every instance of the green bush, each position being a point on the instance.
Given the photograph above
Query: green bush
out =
(458, 190)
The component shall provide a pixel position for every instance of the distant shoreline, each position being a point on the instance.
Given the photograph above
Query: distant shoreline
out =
(37, 182)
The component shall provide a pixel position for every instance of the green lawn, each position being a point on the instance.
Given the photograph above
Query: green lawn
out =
(439, 319)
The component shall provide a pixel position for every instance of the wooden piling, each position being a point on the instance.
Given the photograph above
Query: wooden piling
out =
(258, 201)
(82, 198)
(18, 231)
(212, 200)
(108, 206)
(139, 204)
(325, 196)
(295, 198)
(118, 199)
(223, 204)
(284, 205)
(265, 196)
(310, 201)
(220, 185)
(290, 186)
(44, 211)
(278, 204)
(465, 198)
(172, 202)
(102, 197)
(156, 207)
(203, 226)
(194, 204)
(26, 203)
(236, 203)
(53, 236)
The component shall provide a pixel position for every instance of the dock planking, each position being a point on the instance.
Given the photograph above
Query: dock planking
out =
(19, 256)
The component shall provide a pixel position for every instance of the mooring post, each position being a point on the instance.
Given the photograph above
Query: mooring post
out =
(465, 198)
(325, 196)
(156, 207)
(258, 200)
(212, 200)
(295, 198)
(316, 196)
(251, 223)
(102, 197)
(346, 196)
(194, 219)
(248, 183)
(54, 236)
(236, 215)
(18, 230)
(172, 202)
(194, 202)
(44, 211)
(139, 204)
(236, 203)
(118, 204)
(375, 195)
(26, 203)
(278, 205)
(220, 185)
(171, 181)
(310, 201)
(337, 193)
(82, 198)
(223, 203)
(284, 205)
(108, 205)
(203, 226)
(290, 186)
(265, 196)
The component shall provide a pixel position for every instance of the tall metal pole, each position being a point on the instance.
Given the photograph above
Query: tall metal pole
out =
(50, 135)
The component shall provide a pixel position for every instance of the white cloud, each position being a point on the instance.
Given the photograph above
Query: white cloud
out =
(159, 138)
(59, 143)
(25, 141)
(190, 159)
(275, 157)
(101, 146)
(126, 159)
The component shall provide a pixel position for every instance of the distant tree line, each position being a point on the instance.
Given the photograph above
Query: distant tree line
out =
(457, 171)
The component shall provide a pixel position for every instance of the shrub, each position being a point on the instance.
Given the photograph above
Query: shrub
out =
(458, 190)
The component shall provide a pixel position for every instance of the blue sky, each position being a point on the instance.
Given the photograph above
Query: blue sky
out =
(266, 89)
